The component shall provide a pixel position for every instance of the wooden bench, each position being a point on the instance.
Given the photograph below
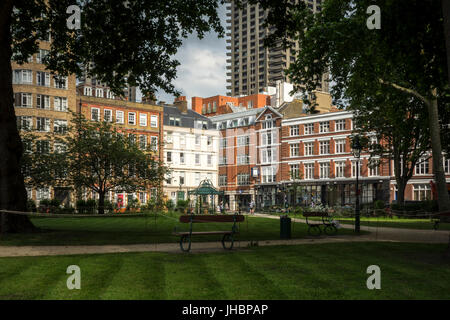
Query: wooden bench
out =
(439, 218)
(314, 225)
(228, 236)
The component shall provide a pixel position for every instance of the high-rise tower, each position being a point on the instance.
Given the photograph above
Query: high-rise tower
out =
(250, 66)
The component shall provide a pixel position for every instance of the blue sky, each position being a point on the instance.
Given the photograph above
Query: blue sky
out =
(202, 71)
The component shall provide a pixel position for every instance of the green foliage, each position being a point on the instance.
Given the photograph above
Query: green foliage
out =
(127, 41)
(416, 207)
(379, 204)
(182, 204)
(132, 204)
(31, 205)
(170, 205)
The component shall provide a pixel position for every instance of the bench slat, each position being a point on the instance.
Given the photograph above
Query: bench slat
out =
(211, 218)
(315, 214)
(203, 233)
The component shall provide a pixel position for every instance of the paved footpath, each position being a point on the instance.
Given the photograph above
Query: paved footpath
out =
(376, 234)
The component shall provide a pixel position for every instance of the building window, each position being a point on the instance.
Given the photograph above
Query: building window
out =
(143, 141)
(309, 148)
(197, 159)
(339, 146)
(294, 172)
(243, 140)
(243, 159)
(309, 128)
(99, 93)
(324, 170)
(43, 193)
(209, 160)
(309, 171)
(423, 167)
(268, 174)
(340, 125)
(43, 124)
(267, 156)
(354, 168)
(223, 143)
(266, 139)
(268, 123)
(182, 158)
(107, 115)
(446, 165)
(214, 109)
(24, 122)
(154, 143)
(43, 102)
(41, 55)
(324, 127)
(132, 118)
(24, 100)
(373, 171)
(222, 180)
(60, 104)
(294, 131)
(60, 126)
(142, 119)
(43, 79)
(143, 197)
(169, 156)
(87, 91)
(243, 179)
(294, 150)
(174, 121)
(42, 146)
(422, 192)
(23, 77)
(197, 139)
(197, 178)
(154, 121)
(60, 82)
(324, 147)
(339, 171)
(222, 160)
(95, 114)
(119, 117)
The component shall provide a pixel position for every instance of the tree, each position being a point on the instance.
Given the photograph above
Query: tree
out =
(407, 54)
(97, 157)
(393, 119)
(102, 159)
(127, 42)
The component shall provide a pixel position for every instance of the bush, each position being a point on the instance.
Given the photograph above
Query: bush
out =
(81, 206)
(169, 205)
(133, 204)
(182, 204)
(44, 205)
(31, 205)
(108, 206)
(91, 204)
(416, 207)
(379, 204)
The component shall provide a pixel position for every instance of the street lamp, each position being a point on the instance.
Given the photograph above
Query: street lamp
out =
(356, 149)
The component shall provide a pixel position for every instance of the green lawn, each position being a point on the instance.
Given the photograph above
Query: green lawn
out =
(143, 229)
(320, 271)
(395, 222)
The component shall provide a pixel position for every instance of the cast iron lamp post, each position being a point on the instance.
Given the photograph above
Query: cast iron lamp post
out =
(356, 149)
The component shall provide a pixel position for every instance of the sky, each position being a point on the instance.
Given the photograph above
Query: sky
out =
(202, 69)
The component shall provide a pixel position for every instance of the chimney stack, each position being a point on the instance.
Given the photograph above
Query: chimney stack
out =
(181, 103)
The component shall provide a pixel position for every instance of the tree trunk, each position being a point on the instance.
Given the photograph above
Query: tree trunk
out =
(101, 202)
(438, 166)
(401, 186)
(446, 12)
(13, 195)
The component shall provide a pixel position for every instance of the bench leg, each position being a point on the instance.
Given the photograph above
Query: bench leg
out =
(330, 230)
(227, 241)
(185, 243)
(314, 230)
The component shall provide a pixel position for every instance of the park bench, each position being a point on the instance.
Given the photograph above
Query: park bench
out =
(228, 236)
(438, 219)
(314, 225)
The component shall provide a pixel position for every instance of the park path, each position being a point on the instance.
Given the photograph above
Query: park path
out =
(376, 234)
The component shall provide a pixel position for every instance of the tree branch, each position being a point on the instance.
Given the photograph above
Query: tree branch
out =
(407, 90)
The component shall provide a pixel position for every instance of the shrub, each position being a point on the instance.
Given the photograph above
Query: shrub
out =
(132, 204)
(169, 205)
(81, 206)
(379, 204)
(31, 205)
(182, 204)
(91, 204)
